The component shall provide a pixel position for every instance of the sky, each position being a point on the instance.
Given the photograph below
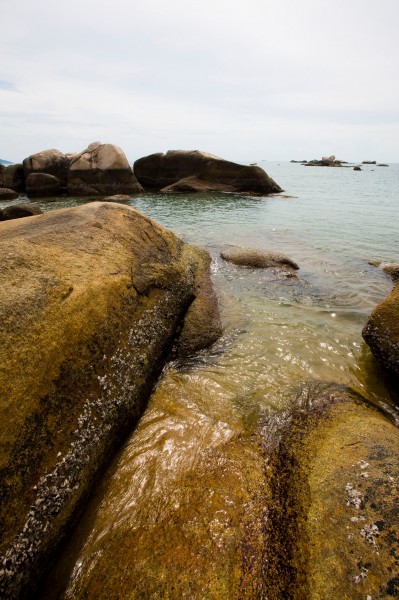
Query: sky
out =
(245, 80)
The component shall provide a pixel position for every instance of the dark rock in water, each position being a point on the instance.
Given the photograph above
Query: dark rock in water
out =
(91, 299)
(18, 211)
(6, 194)
(357, 168)
(369, 162)
(115, 198)
(391, 269)
(381, 331)
(101, 169)
(49, 162)
(382, 165)
(326, 161)
(257, 259)
(12, 177)
(331, 521)
(192, 171)
(42, 184)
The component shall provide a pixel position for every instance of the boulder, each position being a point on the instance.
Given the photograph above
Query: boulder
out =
(42, 184)
(50, 162)
(18, 211)
(6, 194)
(357, 168)
(92, 299)
(192, 171)
(257, 259)
(12, 177)
(332, 520)
(391, 269)
(369, 162)
(381, 332)
(101, 169)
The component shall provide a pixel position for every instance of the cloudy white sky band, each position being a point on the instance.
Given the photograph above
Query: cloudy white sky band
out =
(249, 80)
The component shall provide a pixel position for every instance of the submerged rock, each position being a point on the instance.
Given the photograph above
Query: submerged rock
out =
(91, 301)
(18, 211)
(381, 331)
(193, 171)
(101, 169)
(332, 519)
(258, 259)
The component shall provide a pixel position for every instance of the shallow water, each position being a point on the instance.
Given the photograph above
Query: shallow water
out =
(278, 333)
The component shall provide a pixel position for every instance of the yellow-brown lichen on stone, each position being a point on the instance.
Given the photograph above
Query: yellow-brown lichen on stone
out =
(333, 521)
(88, 315)
(381, 332)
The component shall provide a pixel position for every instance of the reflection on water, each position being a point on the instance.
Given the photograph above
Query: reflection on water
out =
(181, 501)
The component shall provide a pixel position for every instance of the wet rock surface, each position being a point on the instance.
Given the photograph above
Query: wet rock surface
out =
(192, 171)
(301, 504)
(92, 299)
(381, 331)
(332, 514)
(248, 257)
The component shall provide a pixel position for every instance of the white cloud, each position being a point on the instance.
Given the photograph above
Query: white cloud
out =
(237, 79)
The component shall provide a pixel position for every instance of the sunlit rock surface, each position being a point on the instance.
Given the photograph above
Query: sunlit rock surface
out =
(381, 331)
(91, 301)
(215, 501)
(333, 519)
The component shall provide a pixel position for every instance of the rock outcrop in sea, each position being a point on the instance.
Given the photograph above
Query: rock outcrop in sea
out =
(195, 171)
(381, 331)
(248, 257)
(103, 169)
(92, 301)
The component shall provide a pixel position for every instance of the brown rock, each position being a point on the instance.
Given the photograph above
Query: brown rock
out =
(101, 169)
(188, 171)
(381, 332)
(42, 184)
(49, 162)
(91, 300)
(260, 260)
(6, 194)
(12, 177)
(18, 211)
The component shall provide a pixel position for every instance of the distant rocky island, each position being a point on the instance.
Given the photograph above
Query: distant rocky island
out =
(331, 161)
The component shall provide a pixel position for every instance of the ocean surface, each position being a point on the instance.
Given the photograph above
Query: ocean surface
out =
(279, 332)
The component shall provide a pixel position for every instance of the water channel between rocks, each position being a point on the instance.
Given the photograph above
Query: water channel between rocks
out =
(182, 502)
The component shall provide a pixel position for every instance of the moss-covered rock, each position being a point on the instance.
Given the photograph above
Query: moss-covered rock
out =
(332, 520)
(381, 332)
(91, 300)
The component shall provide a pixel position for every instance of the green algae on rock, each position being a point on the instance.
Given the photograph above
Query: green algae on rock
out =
(331, 528)
(91, 300)
(381, 332)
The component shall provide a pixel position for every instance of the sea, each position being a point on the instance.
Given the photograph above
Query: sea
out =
(279, 333)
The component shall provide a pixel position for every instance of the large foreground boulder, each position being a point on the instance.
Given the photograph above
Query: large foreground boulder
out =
(301, 504)
(91, 301)
(332, 519)
(381, 332)
(194, 171)
(101, 169)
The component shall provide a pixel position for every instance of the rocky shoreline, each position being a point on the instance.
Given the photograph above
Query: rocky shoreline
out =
(94, 301)
(103, 170)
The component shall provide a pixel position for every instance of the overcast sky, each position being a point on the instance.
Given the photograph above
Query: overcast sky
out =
(246, 80)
